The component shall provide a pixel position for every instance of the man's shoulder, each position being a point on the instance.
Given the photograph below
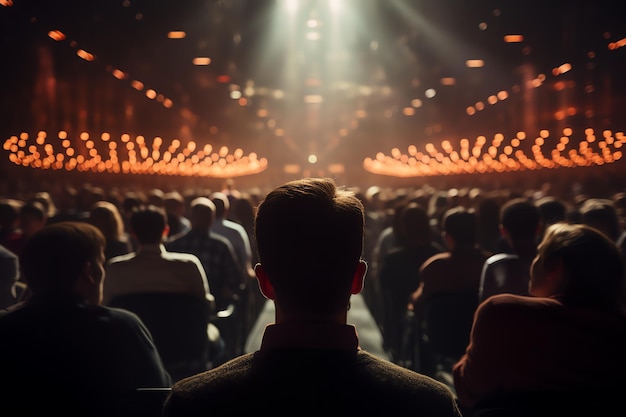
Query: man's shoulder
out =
(213, 379)
(506, 304)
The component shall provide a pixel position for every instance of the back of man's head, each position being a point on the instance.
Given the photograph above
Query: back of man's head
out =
(55, 256)
(202, 212)
(461, 225)
(521, 219)
(222, 204)
(148, 223)
(552, 210)
(310, 240)
(174, 202)
(415, 225)
(601, 214)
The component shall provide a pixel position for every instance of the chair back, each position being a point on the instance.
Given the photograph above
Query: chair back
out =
(178, 324)
(447, 321)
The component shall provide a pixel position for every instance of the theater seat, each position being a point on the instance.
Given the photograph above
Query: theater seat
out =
(442, 332)
(182, 327)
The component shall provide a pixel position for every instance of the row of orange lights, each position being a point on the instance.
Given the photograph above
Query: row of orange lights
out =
(482, 158)
(129, 155)
(150, 93)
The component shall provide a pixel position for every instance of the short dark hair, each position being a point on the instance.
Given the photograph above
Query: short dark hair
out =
(520, 218)
(54, 256)
(461, 224)
(601, 214)
(222, 204)
(202, 211)
(309, 236)
(148, 223)
(415, 223)
(552, 209)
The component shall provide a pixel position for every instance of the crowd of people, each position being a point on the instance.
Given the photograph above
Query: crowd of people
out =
(485, 299)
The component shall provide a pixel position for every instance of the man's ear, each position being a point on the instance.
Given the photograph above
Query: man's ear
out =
(88, 272)
(264, 283)
(359, 277)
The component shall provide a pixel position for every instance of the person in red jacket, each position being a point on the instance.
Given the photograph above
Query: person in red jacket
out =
(561, 347)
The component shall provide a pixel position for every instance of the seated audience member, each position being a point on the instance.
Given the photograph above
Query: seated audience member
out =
(310, 240)
(151, 269)
(509, 271)
(107, 217)
(65, 201)
(32, 217)
(61, 350)
(175, 210)
(601, 214)
(235, 233)
(564, 346)
(551, 210)
(488, 218)
(454, 274)
(458, 269)
(214, 251)
(399, 275)
(220, 265)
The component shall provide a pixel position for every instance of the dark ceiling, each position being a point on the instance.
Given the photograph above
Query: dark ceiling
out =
(382, 56)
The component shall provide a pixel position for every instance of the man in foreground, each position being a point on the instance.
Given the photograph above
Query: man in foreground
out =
(310, 239)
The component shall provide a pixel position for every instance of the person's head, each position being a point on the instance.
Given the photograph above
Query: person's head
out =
(579, 264)
(202, 212)
(222, 204)
(551, 209)
(107, 217)
(130, 202)
(174, 203)
(46, 200)
(32, 217)
(155, 197)
(461, 226)
(10, 213)
(309, 235)
(415, 225)
(601, 214)
(65, 259)
(520, 219)
(149, 224)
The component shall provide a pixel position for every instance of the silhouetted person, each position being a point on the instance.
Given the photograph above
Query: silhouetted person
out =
(219, 261)
(560, 351)
(61, 350)
(107, 217)
(509, 271)
(310, 240)
(551, 210)
(152, 269)
(454, 273)
(399, 275)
